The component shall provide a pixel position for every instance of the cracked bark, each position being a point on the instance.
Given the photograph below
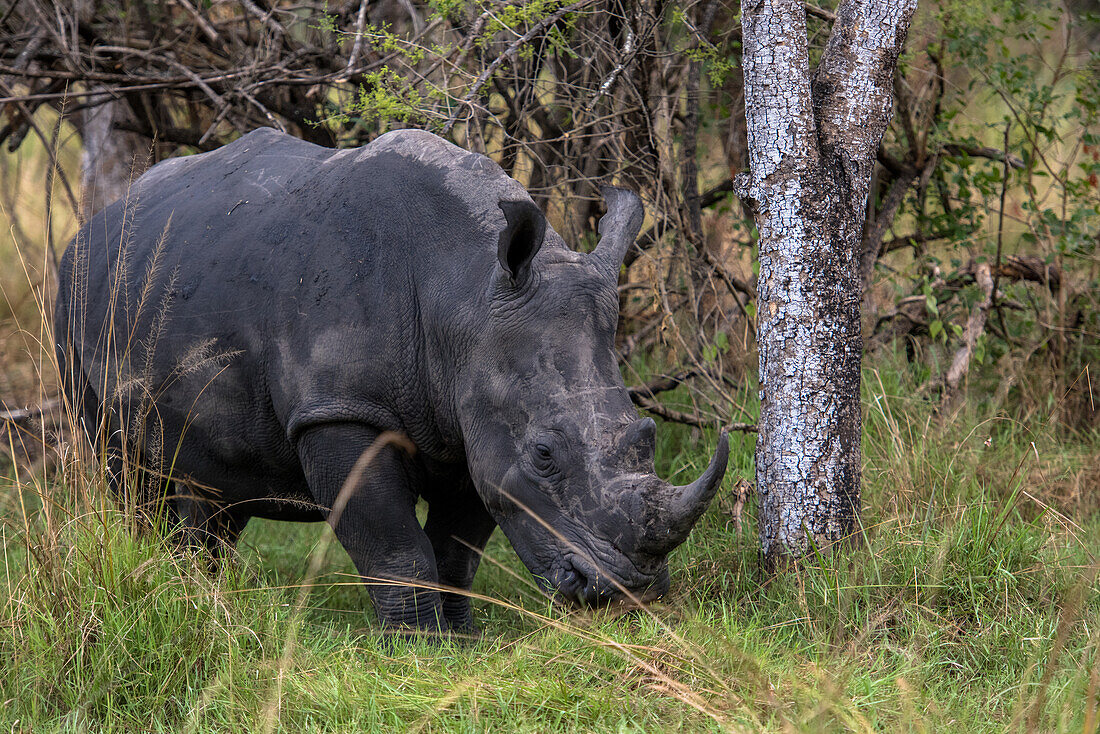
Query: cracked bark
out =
(812, 147)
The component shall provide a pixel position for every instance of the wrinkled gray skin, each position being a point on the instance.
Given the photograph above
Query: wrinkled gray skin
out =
(275, 306)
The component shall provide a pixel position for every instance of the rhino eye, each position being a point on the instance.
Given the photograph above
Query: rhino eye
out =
(543, 460)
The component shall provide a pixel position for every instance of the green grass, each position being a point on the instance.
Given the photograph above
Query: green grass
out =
(969, 602)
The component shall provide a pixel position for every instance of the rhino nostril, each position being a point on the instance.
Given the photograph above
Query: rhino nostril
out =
(588, 585)
(594, 588)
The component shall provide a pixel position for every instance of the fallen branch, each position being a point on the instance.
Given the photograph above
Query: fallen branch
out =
(826, 15)
(18, 415)
(909, 241)
(910, 312)
(1013, 267)
(1031, 268)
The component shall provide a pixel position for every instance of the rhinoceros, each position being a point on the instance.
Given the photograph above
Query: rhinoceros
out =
(251, 320)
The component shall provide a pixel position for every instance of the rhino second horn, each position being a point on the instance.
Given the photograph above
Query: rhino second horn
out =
(640, 437)
(618, 228)
(681, 507)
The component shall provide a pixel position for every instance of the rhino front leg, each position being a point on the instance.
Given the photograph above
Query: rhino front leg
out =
(458, 526)
(378, 526)
(207, 524)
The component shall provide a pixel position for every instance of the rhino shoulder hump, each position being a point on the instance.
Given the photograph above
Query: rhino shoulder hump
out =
(432, 150)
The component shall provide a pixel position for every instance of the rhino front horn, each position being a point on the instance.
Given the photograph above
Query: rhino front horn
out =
(680, 507)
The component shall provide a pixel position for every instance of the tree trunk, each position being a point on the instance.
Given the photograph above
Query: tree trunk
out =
(812, 145)
(112, 158)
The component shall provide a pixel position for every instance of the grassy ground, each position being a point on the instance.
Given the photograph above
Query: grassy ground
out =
(969, 602)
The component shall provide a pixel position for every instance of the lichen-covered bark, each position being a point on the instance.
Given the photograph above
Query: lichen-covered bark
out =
(812, 147)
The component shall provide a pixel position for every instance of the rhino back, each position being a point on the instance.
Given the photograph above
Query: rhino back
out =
(271, 285)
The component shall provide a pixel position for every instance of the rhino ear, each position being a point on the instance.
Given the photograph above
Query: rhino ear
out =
(521, 239)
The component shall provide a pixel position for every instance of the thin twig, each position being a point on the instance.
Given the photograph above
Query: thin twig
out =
(510, 54)
(355, 48)
(1001, 230)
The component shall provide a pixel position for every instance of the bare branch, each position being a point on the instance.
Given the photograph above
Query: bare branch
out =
(734, 282)
(826, 15)
(510, 54)
(688, 419)
(958, 149)
(355, 49)
(662, 384)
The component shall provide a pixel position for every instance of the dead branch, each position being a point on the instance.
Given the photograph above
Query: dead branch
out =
(1030, 268)
(975, 324)
(826, 15)
(910, 240)
(662, 384)
(20, 415)
(1014, 268)
(687, 419)
(669, 414)
(959, 149)
(731, 279)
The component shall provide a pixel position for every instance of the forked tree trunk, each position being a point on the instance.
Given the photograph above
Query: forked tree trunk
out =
(812, 146)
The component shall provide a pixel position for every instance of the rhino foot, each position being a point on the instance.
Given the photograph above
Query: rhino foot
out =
(459, 615)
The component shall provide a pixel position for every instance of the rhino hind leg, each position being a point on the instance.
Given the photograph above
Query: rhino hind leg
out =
(378, 526)
(458, 527)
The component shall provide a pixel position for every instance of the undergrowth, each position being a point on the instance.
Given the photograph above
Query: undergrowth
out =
(969, 600)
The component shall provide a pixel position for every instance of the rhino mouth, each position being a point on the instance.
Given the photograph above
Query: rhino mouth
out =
(581, 582)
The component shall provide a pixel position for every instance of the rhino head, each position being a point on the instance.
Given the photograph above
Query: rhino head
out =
(554, 445)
